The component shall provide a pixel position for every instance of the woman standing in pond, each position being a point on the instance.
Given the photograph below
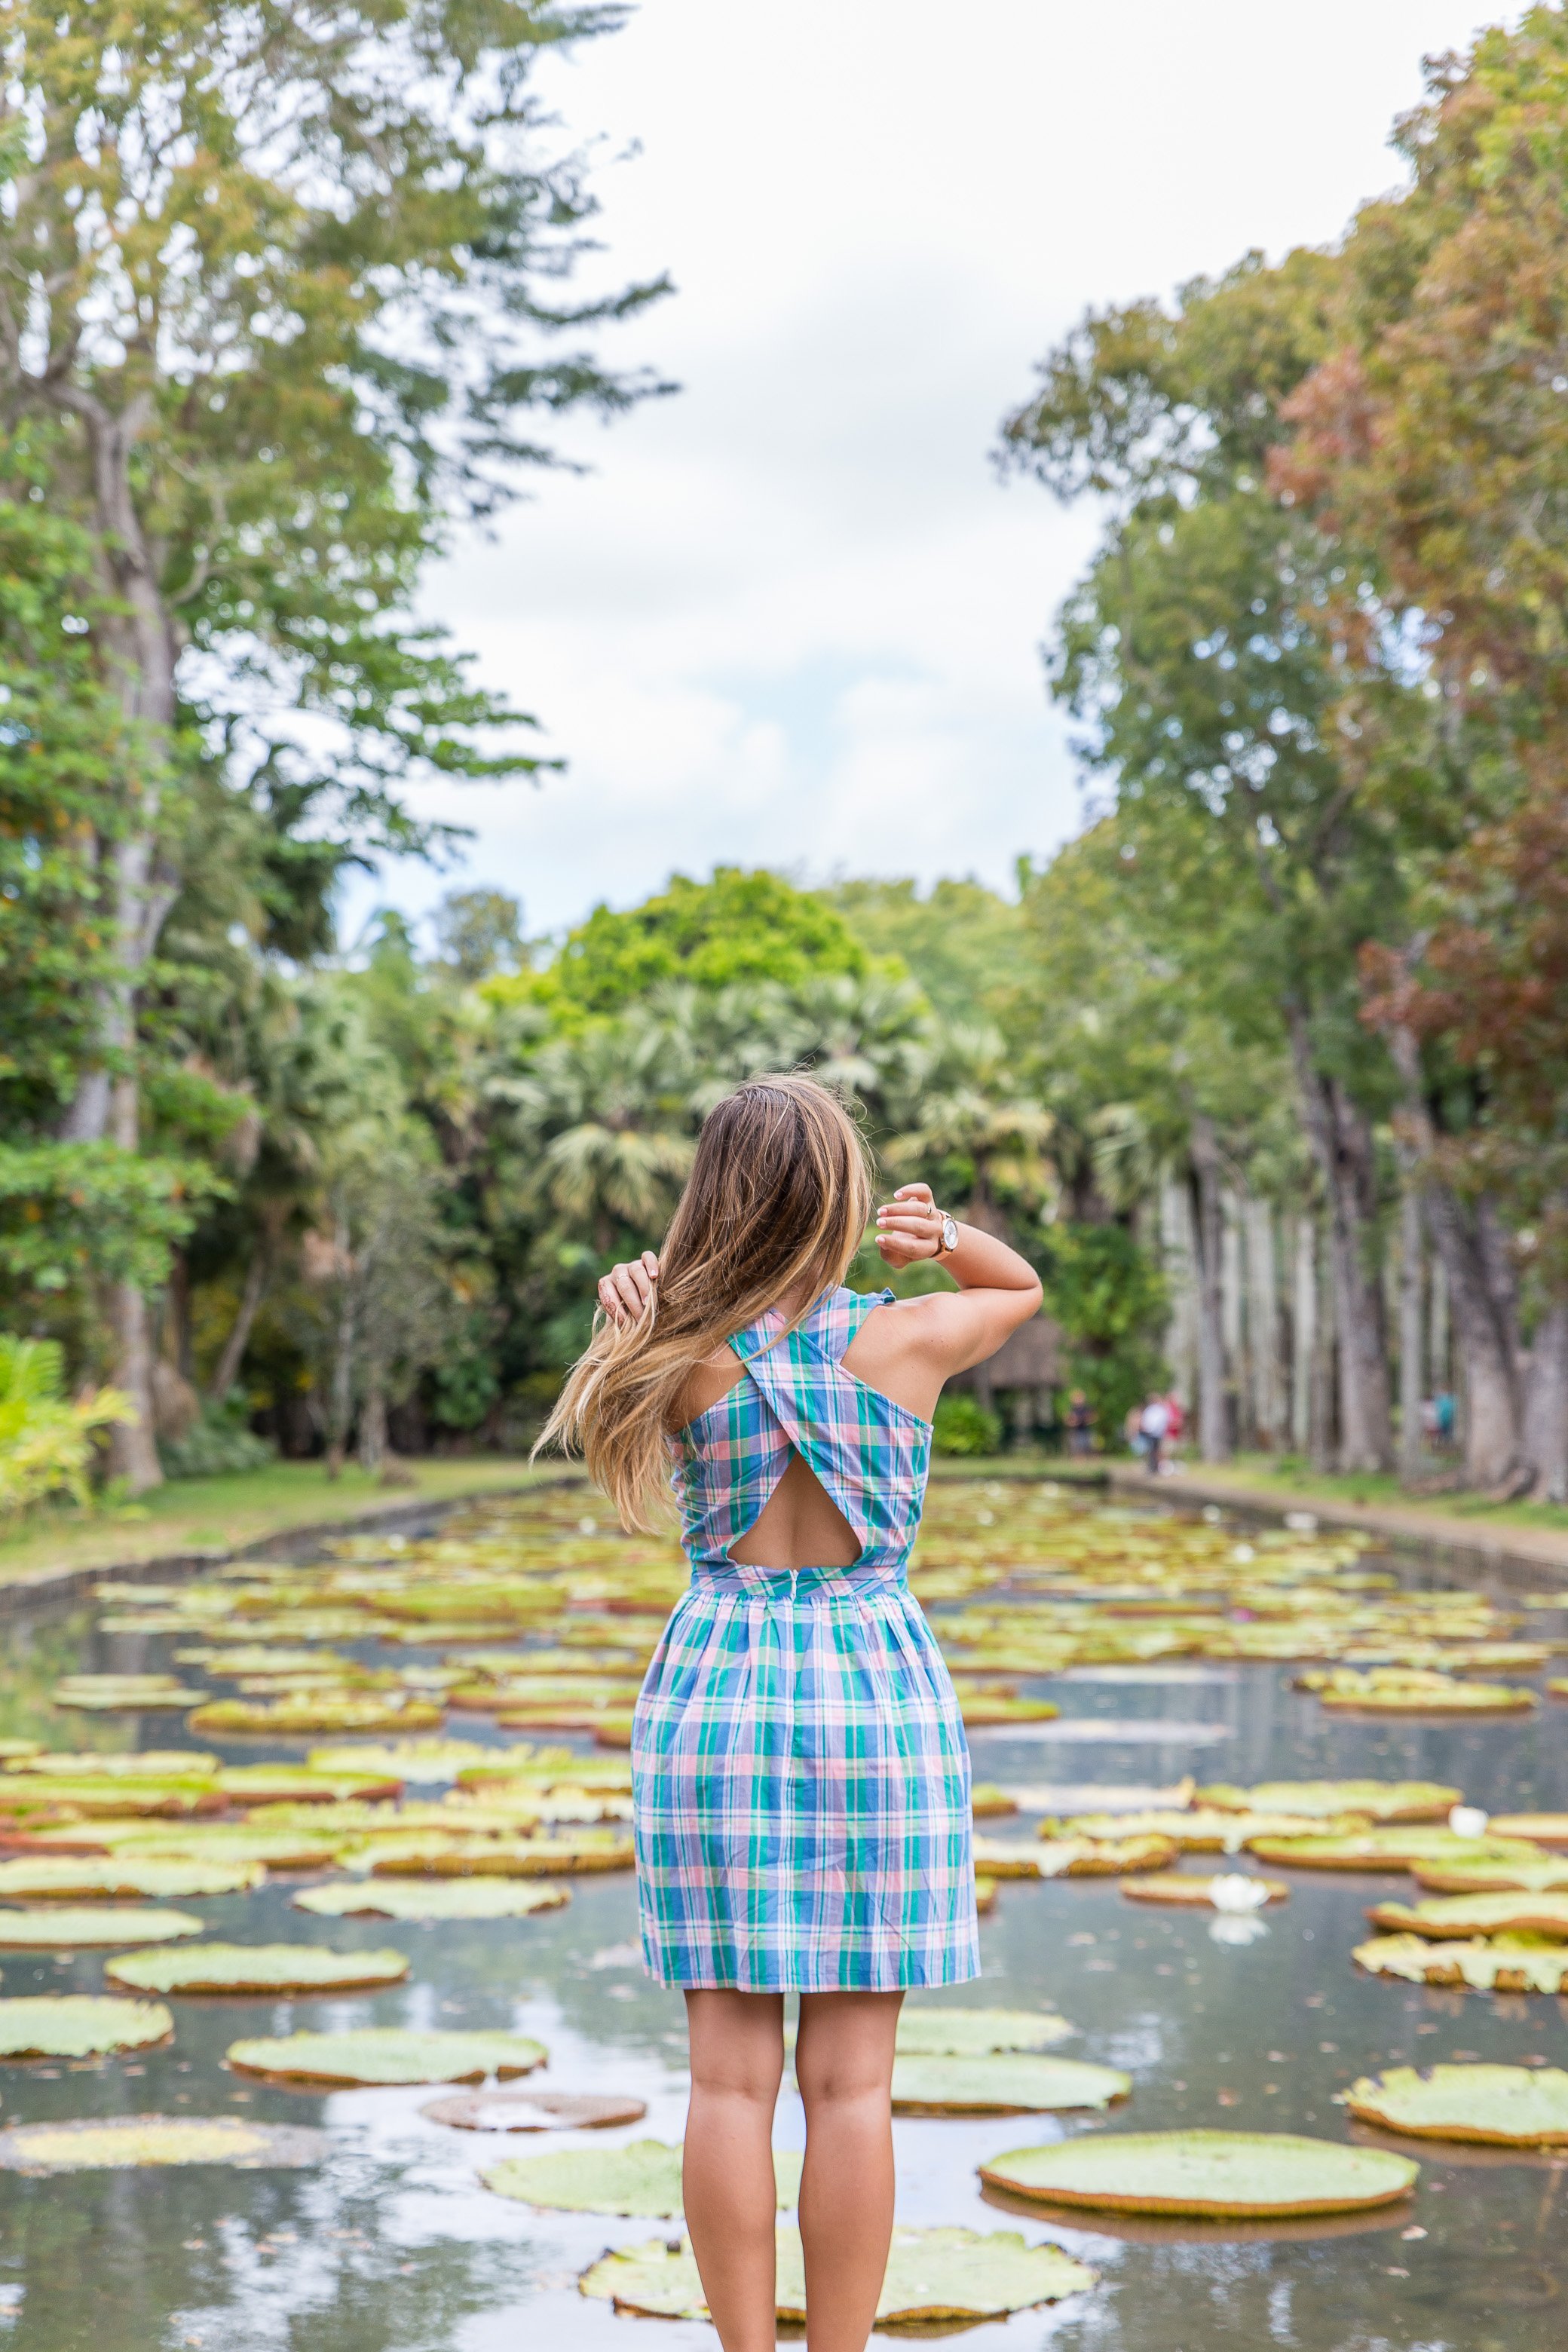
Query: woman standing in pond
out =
(801, 1778)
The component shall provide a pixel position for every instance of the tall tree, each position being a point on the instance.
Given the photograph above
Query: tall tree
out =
(272, 296)
(1431, 449)
(1222, 684)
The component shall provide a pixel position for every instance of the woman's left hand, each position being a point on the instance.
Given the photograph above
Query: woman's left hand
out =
(626, 1290)
(909, 1226)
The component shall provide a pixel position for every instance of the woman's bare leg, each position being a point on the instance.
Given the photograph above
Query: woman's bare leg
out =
(737, 2063)
(844, 2065)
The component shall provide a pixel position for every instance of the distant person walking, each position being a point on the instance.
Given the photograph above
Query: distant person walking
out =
(1079, 1424)
(1153, 1424)
(801, 1790)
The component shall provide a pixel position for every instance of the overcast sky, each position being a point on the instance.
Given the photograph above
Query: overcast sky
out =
(791, 618)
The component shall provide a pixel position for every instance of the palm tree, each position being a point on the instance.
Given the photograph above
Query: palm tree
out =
(599, 1128)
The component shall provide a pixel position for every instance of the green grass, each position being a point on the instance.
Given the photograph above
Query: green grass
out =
(241, 1509)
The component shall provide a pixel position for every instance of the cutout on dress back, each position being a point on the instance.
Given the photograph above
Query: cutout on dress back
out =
(798, 1472)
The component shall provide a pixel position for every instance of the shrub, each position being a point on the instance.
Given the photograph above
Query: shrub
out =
(46, 1442)
(963, 1426)
(221, 1440)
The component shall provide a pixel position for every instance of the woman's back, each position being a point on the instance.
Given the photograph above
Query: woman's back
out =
(794, 1461)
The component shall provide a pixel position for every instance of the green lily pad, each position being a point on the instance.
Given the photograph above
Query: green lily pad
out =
(16, 1751)
(384, 2054)
(1010, 2084)
(642, 2179)
(1108, 1857)
(405, 1759)
(1375, 1694)
(180, 1764)
(56, 1929)
(116, 2143)
(433, 1898)
(1509, 2106)
(1492, 1877)
(257, 1967)
(990, 1803)
(534, 1857)
(79, 2025)
(117, 1877)
(299, 1784)
(1541, 1829)
(1444, 1918)
(112, 1797)
(289, 1718)
(977, 2033)
(1505, 1964)
(1207, 1830)
(933, 2275)
(1391, 1848)
(124, 1694)
(983, 1714)
(1215, 2173)
(1193, 1888)
(1381, 1801)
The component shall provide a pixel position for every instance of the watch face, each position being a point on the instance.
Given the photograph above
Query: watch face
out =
(949, 1232)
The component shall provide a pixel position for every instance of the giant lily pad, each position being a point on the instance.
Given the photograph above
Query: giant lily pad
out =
(1541, 1829)
(79, 2025)
(384, 2054)
(111, 1797)
(1011, 2084)
(117, 2143)
(977, 2033)
(1376, 1693)
(1391, 1848)
(1492, 1877)
(289, 1719)
(1512, 2106)
(1444, 1918)
(983, 1714)
(502, 1858)
(1100, 1857)
(257, 1967)
(116, 1877)
(1212, 2173)
(433, 1898)
(932, 2276)
(531, 2111)
(416, 1761)
(1209, 1830)
(55, 1929)
(1381, 1801)
(1194, 1887)
(1505, 1964)
(182, 1764)
(299, 1784)
(124, 1694)
(642, 2179)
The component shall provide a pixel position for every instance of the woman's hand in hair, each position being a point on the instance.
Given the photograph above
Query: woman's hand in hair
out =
(624, 1292)
(909, 1226)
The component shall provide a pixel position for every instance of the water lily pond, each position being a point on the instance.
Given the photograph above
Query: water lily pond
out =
(379, 1796)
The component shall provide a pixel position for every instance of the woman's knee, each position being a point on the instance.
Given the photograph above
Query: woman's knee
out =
(737, 2046)
(845, 2053)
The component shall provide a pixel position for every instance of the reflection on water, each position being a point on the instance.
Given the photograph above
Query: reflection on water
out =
(394, 2247)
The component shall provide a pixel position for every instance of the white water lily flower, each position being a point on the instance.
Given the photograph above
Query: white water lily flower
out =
(1234, 1893)
(1468, 1820)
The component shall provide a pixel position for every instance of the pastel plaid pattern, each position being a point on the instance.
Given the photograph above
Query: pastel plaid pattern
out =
(801, 1778)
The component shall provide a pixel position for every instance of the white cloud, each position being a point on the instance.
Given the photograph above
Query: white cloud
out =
(792, 617)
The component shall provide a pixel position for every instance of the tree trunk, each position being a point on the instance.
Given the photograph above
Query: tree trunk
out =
(341, 1396)
(1341, 1138)
(1479, 1292)
(372, 1426)
(1412, 1235)
(1263, 1324)
(1545, 1436)
(1208, 1251)
(139, 646)
(1303, 1331)
(226, 1370)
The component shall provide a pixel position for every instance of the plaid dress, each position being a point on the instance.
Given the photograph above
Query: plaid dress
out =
(801, 1778)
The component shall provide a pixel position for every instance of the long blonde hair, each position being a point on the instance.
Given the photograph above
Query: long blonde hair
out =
(776, 1204)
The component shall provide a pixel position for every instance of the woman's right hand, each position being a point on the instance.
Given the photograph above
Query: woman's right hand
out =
(625, 1291)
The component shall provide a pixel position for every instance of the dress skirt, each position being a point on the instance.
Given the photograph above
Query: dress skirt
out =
(801, 1790)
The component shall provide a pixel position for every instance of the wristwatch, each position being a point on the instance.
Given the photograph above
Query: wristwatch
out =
(949, 1236)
